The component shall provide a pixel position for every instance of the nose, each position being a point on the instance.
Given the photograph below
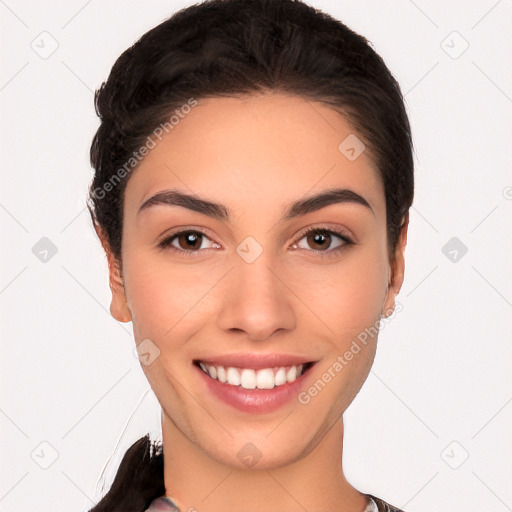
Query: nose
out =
(256, 300)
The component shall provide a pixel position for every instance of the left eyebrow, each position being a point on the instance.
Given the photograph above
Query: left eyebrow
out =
(323, 199)
(218, 211)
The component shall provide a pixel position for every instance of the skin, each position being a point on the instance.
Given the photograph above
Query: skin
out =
(255, 155)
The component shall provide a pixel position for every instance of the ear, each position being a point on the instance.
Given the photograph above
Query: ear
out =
(118, 305)
(397, 263)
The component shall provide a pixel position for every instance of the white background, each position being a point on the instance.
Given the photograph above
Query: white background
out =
(441, 386)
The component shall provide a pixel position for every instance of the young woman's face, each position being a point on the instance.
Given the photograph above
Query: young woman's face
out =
(242, 284)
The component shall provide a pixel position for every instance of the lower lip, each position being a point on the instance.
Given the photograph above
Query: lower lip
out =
(254, 400)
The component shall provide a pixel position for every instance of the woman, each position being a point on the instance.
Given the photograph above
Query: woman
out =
(253, 177)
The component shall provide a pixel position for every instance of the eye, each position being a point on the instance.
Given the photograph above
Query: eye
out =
(321, 240)
(188, 242)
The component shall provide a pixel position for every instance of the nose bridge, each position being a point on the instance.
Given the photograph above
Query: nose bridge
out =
(255, 264)
(258, 278)
(257, 301)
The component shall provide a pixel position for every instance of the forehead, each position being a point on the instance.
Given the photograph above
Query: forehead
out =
(269, 149)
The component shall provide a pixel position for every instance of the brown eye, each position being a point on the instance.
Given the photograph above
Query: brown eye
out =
(189, 240)
(321, 240)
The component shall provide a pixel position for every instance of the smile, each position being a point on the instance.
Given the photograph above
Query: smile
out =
(254, 383)
(249, 378)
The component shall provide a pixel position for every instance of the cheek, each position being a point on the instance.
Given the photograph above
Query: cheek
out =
(348, 300)
(347, 296)
(165, 298)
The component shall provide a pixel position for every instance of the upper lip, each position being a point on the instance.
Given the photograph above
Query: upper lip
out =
(255, 361)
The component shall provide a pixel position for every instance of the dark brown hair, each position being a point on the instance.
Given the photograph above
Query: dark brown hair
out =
(139, 479)
(222, 48)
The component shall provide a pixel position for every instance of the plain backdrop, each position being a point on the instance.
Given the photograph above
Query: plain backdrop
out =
(429, 431)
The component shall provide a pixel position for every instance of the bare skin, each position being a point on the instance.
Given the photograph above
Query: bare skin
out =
(301, 296)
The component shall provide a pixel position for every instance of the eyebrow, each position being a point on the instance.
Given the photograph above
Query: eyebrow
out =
(218, 211)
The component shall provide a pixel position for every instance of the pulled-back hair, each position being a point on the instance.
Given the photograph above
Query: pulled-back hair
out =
(222, 48)
(139, 479)
(226, 48)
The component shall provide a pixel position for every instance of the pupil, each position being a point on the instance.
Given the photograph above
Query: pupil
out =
(318, 239)
(191, 240)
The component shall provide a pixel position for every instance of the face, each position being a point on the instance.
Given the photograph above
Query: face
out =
(242, 287)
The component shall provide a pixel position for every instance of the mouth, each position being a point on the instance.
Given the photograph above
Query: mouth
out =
(253, 383)
(254, 378)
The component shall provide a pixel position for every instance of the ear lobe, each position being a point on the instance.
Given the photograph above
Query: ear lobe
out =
(397, 268)
(399, 257)
(118, 305)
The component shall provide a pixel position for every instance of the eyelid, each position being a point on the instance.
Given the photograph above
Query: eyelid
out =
(331, 228)
(340, 232)
(184, 229)
(165, 240)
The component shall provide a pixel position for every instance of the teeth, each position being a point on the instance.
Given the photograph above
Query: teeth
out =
(233, 376)
(247, 378)
(265, 379)
(212, 371)
(291, 374)
(280, 377)
(221, 374)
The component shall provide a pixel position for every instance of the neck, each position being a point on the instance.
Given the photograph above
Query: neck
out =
(314, 482)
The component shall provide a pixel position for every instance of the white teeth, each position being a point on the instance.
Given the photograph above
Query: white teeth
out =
(265, 378)
(248, 379)
(221, 374)
(233, 376)
(280, 377)
(291, 374)
(212, 371)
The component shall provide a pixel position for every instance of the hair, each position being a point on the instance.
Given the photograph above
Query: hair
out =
(139, 479)
(232, 48)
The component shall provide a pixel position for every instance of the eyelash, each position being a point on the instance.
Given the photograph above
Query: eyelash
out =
(166, 242)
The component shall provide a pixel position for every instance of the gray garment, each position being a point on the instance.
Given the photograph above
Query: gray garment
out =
(165, 504)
